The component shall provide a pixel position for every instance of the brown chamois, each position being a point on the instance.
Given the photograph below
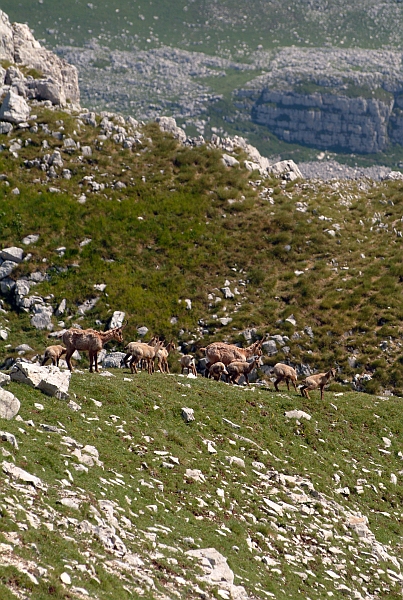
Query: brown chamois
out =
(140, 352)
(188, 362)
(54, 353)
(227, 353)
(91, 340)
(131, 345)
(216, 370)
(238, 368)
(162, 356)
(284, 372)
(317, 381)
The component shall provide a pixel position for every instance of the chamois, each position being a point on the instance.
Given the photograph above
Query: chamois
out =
(284, 372)
(91, 340)
(140, 352)
(317, 381)
(53, 353)
(216, 370)
(162, 356)
(227, 353)
(188, 362)
(238, 368)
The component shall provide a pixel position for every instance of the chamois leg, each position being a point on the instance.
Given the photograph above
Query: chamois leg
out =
(278, 380)
(321, 392)
(96, 361)
(125, 360)
(295, 386)
(69, 354)
(288, 383)
(44, 361)
(133, 367)
(91, 357)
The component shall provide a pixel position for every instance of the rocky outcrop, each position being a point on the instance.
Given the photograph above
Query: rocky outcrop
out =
(327, 120)
(349, 100)
(51, 78)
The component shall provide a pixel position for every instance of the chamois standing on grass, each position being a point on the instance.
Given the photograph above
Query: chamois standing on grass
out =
(162, 356)
(188, 362)
(53, 353)
(227, 353)
(284, 372)
(91, 340)
(143, 364)
(216, 370)
(140, 351)
(238, 368)
(317, 381)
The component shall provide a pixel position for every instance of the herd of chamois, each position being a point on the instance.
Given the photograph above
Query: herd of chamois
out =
(222, 359)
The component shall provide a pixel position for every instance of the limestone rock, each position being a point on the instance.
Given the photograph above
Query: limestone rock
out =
(21, 475)
(14, 109)
(9, 405)
(49, 379)
(169, 125)
(14, 254)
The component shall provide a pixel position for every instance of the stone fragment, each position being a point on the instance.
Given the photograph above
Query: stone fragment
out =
(14, 254)
(297, 414)
(21, 475)
(10, 438)
(188, 415)
(9, 405)
(14, 108)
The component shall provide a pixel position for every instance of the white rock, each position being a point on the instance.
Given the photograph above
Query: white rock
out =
(65, 578)
(20, 474)
(14, 108)
(297, 414)
(49, 379)
(9, 405)
(15, 254)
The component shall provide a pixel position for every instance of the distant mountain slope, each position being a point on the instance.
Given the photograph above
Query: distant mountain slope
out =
(134, 58)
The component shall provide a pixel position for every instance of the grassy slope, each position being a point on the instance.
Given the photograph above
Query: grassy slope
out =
(174, 236)
(140, 418)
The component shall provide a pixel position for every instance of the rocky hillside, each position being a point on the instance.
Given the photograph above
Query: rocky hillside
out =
(341, 64)
(158, 486)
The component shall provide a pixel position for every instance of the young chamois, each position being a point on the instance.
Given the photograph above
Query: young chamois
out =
(162, 356)
(227, 353)
(216, 370)
(317, 381)
(140, 351)
(91, 340)
(188, 362)
(284, 372)
(129, 354)
(53, 353)
(238, 368)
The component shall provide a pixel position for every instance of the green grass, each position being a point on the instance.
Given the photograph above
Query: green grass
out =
(172, 234)
(343, 436)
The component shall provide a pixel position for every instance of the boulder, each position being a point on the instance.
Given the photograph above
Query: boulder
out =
(169, 125)
(6, 267)
(113, 360)
(14, 109)
(42, 318)
(48, 379)
(116, 319)
(6, 38)
(9, 405)
(286, 169)
(14, 254)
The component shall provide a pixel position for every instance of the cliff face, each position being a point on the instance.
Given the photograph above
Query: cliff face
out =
(18, 46)
(329, 121)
